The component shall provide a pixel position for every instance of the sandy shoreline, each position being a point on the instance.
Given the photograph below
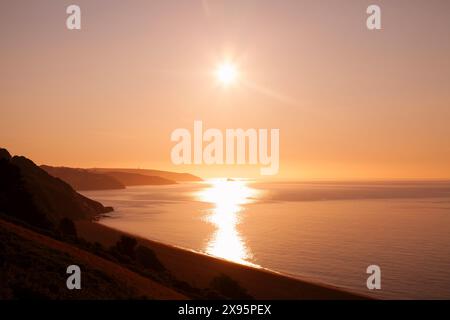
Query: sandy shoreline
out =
(199, 269)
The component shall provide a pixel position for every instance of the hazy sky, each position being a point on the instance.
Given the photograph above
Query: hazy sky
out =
(349, 102)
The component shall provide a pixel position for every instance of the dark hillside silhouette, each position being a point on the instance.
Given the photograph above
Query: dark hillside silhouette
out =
(175, 176)
(135, 179)
(30, 194)
(82, 180)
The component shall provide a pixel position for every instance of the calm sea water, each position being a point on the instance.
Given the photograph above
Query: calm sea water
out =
(329, 232)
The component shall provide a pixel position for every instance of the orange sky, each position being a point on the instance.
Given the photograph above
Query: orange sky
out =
(350, 103)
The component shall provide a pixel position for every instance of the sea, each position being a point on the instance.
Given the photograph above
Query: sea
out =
(327, 232)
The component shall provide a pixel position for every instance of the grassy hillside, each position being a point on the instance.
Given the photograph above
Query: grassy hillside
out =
(33, 266)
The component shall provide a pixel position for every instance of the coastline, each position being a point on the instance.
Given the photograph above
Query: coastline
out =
(199, 269)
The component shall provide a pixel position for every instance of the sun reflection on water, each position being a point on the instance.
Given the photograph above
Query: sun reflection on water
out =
(228, 198)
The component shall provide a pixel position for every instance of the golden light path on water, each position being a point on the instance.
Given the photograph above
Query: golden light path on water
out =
(228, 199)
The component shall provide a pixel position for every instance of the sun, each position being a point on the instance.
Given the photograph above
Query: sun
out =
(227, 73)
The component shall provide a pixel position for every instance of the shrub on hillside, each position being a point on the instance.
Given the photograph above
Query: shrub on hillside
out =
(229, 288)
(67, 228)
(147, 258)
(124, 249)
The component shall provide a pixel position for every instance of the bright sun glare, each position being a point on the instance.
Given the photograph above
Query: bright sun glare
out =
(228, 199)
(227, 73)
